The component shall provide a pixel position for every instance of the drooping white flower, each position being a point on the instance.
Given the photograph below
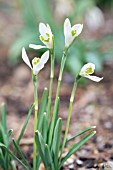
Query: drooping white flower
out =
(88, 69)
(37, 63)
(71, 32)
(46, 37)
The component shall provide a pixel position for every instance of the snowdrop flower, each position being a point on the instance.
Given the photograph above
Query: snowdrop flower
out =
(46, 37)
(88, 69)
(37, 63)
(71, 32)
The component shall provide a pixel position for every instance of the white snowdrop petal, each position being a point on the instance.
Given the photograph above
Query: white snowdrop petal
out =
(67, 26)
(49, 29)
(85, 67)
(42, 29)
(78, 28)
(25, 57)
(38, 67)
(67, 32)
(36, 47)
(45, 57)
(94, 78)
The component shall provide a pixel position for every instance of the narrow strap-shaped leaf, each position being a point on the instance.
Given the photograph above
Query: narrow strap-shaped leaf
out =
(42, 108)
(56, 141)
(25, 123)
(2, 161)
(10, 133)
(38, 162)
(49, 158)
(3, 136)
(44, 127)
(80, 133)
(3, 111)
(40, 146)
(20, 153)
(76, 147)
(13, 156)
(53, 122)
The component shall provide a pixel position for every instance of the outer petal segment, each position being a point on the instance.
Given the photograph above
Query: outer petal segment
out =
(36, 47)
(78, 28)
(94, 78)
(43, 29)
(45, 57)
(25, 57)
(40, 65)
(67, 32)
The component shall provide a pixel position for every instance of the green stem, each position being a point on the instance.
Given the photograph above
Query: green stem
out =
(51, 82)
(69, 115)
(57, 95)
(34, 78)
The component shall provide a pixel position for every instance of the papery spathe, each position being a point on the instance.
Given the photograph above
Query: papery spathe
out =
(37, 63)
(71, 32)
(88, 69)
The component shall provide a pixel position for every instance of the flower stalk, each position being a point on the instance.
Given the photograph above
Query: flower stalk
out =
(34, 79)
(69, 114)
(52, 55)
(57, 94)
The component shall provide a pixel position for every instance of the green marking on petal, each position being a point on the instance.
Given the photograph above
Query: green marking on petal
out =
(73, 32)
(35, 61)
(47, 34)
(47, 38)
(89, 71)
(41, 38)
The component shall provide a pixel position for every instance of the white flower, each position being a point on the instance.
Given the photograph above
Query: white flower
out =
(37, 63)
(71, 32)
(88, 69)
(46, 37)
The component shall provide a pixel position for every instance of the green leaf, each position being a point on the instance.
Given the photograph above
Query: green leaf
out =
(49, 158)
(10, 133)
(80, 133)
(13, 156)
(40, 146)
(3, 111)
(25, 123)
(42, 108)
(2, 160)
(3, 136)
(21, 154)
(44, 127)
(53, 122)
(56, 141)
(76, 147)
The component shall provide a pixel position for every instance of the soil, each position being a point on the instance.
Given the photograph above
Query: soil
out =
(93, 105)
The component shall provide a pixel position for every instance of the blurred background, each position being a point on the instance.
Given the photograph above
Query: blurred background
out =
(19, 22)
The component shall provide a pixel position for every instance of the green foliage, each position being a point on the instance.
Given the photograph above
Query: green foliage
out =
(5, 160)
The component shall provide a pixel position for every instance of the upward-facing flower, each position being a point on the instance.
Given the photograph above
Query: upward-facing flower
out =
(71, 32)
(37, 63)
(46, 37)
(88, 69)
